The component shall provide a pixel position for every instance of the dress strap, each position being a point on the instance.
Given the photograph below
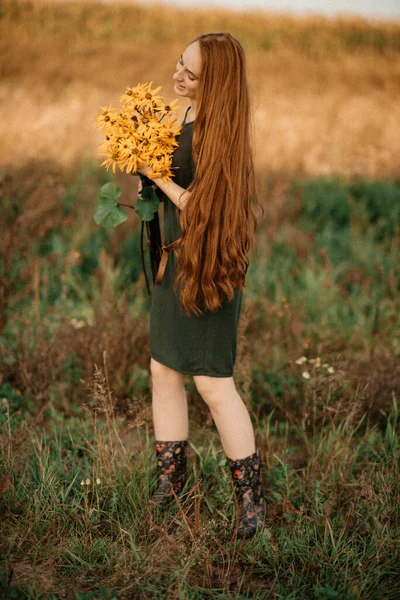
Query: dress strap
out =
(164, 258)
(187, 110)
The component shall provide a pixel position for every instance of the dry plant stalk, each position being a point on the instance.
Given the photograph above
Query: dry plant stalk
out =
(102, 393)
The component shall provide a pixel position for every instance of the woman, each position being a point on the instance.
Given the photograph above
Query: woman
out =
(209, 227)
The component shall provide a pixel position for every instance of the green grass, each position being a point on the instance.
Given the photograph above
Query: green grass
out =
(75, 403)
(338, 541)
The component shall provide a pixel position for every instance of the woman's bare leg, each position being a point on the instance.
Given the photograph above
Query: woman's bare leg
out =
(230, 414)
(169, 403)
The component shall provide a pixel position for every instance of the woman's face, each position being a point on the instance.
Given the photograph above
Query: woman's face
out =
(188, 70)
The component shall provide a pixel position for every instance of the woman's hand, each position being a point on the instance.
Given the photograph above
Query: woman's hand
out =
(144, 169)
(140, 186)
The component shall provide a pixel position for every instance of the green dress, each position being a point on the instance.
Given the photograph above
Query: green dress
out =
(195, 345)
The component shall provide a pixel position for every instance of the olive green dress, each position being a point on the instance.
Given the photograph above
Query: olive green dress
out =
(195, 345)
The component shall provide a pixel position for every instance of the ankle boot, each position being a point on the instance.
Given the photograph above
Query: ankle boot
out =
(171, 471)
(246, 475)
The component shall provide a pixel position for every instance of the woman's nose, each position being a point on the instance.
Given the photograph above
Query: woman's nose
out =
(177, 75)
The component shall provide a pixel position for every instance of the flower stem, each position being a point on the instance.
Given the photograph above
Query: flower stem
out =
(127, 205)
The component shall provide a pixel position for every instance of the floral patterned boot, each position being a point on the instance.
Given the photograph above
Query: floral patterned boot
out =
(246, 475)
(171, 471)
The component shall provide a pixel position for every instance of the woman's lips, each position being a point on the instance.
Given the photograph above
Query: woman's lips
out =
(179, 86)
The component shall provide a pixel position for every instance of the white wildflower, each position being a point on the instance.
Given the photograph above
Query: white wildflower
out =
(77, 324)
(315, 361)
(301, 360)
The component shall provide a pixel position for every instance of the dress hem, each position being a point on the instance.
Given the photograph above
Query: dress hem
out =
(184, 372)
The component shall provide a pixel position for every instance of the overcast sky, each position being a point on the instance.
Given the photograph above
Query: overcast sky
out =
(388, 9)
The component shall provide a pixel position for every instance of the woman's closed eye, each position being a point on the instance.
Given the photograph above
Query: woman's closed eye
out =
(191, 78)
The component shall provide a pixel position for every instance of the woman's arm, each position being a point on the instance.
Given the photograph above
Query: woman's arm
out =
(177, 194)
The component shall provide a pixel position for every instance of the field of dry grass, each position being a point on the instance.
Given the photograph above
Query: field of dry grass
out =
(325, 93)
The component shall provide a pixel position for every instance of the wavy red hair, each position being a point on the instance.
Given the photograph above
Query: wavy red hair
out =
(218, 221)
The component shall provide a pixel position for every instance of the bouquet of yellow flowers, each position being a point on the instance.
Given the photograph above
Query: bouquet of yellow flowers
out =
(144, 130)
(137, 134)
(134, 135)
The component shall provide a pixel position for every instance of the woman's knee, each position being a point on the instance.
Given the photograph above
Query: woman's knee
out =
(214, 390)
(164, 375)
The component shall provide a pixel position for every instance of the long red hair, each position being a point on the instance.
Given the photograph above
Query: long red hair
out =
(218, 221)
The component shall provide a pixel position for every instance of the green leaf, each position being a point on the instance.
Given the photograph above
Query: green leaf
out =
(109, 214)
(149, 193)
(147, 204)
(109, 191)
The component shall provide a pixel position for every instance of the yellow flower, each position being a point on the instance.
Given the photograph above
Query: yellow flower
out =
(133, 93)
(127, 147)
(167, 110)
(161, 162)
(131, 164)
(153, 93)
(105, 117)
(147, 104)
